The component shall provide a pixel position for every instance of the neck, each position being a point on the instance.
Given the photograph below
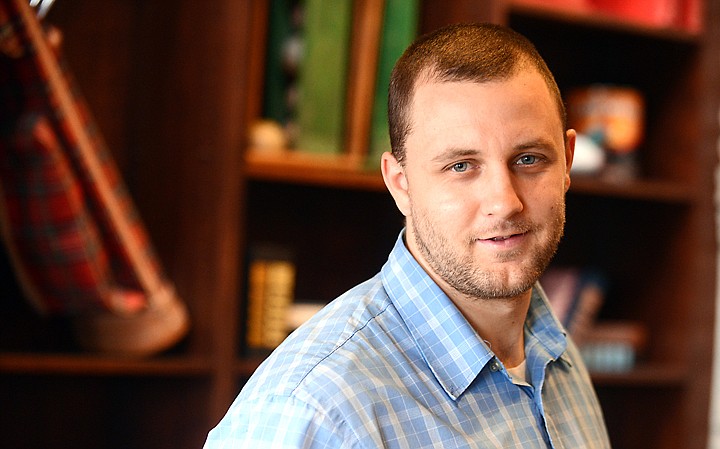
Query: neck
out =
(500, 322)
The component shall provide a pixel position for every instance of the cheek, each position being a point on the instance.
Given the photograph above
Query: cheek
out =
(544, 200)
(451, 205)
(548, 187)
(440, 207)
(554, 208)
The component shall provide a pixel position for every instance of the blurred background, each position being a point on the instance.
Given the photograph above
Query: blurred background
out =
(221, 159)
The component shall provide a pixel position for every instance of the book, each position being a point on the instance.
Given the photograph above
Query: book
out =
(658, 13)
(576, 296)
(691, 15)
(270, 292)
(614, 346)
(300, 312)
(400, 23)
(562, 5)
(277, 77)
(322, 77)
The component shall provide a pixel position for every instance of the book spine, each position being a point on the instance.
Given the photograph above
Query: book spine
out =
(692, 15)
(255, 303)
(322, 78)
(400, 24)
(650, 12)
(275, 106)
(270, 293)
(279, 287)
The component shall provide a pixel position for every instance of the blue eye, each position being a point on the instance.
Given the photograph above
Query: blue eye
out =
(460, 167)
(527, 159)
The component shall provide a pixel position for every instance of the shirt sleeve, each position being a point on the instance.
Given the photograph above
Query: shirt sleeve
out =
(277, 423)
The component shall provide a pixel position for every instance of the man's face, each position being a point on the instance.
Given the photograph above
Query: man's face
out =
(484, 182)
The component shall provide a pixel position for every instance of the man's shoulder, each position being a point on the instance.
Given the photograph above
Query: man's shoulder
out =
(327, 354)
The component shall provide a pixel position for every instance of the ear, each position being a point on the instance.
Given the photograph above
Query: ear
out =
(394, 176)
(569, 154)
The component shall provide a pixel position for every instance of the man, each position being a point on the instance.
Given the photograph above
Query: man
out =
(453, 343)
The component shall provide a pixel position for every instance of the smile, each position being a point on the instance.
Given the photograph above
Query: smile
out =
(505, 241)
(502, 238)
(505, 236)
(499, 239)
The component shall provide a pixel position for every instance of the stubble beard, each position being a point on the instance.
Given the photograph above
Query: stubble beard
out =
(462, 273)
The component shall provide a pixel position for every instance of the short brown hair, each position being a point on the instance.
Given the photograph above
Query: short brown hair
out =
(462, 52)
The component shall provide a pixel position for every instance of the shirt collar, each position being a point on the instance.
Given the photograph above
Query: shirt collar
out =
(454, 352)
(542, 324)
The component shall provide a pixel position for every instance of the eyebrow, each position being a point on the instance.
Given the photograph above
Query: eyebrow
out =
(541, 142)
(461, 152)
(454, 153)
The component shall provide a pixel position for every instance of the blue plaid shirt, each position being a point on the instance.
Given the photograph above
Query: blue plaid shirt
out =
(393, 364)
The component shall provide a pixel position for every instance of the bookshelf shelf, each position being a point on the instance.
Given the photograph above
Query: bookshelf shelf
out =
(643, 376)
(87, 364)
(326, 171)
(641, 189)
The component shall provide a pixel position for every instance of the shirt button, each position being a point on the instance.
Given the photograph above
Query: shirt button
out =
(494, 366)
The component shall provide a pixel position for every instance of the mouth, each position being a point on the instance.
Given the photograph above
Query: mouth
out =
(506, 240)
(504, 237)
(501, 238)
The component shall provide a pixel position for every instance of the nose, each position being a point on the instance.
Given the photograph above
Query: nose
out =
(499, 194)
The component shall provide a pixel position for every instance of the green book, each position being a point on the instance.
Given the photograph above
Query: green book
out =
(400, 24)
(322, 80)
(275, 105)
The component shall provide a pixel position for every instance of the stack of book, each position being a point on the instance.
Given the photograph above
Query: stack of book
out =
(613, 346)
(576, 296)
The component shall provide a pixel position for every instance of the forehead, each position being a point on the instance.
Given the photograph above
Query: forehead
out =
(522, 85)
(500, 109)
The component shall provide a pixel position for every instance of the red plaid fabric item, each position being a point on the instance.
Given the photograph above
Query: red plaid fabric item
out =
(70, 227)
(53, 237)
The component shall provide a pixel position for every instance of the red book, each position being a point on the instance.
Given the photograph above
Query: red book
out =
(649, 12)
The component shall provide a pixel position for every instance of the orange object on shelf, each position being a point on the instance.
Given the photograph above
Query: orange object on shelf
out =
(612, 115)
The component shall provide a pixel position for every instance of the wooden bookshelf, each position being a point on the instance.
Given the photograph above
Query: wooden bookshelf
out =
(174, 87)
(88, 364)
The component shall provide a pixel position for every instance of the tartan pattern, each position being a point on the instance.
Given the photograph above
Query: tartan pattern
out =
(52, 233)
(55, 224)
